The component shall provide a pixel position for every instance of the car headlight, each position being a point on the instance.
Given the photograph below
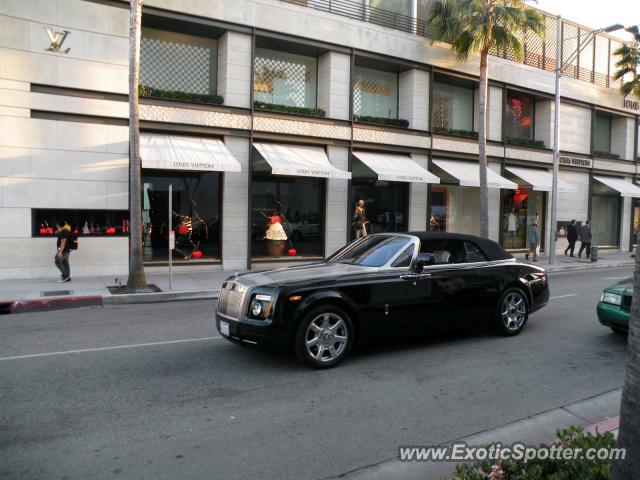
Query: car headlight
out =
(260, 306)
(612, 298)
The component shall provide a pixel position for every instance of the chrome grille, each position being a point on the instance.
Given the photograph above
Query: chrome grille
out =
(231, 300)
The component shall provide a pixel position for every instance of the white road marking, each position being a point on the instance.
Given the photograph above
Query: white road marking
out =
(101, 349)
(565, 296)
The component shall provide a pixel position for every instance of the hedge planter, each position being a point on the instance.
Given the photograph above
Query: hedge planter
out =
(147, 91)
(389, 122)
(274, 107)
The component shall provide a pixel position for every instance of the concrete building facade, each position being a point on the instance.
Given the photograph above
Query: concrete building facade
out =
(270, 120)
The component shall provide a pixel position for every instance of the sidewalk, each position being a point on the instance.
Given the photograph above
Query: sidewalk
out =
(48, 293)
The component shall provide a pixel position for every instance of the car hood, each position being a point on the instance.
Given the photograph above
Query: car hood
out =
(317, 272)
(622, 287)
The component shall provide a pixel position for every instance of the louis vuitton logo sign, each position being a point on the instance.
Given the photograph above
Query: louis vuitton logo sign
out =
(57, 39)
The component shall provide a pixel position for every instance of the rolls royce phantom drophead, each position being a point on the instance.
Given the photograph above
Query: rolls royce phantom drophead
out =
(383, 283)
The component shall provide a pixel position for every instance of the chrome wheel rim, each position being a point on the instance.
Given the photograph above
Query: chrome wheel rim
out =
(514, 311)
(326, 337)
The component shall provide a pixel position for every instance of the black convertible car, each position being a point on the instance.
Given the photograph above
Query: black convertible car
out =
(382, 283)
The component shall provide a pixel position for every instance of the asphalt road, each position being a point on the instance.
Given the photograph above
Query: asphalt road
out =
(151, 391)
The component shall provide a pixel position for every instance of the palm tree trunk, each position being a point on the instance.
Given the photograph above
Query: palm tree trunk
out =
(629, 434)
(482, 143)
(136, 278)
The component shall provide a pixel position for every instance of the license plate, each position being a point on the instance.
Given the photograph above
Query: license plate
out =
(224, 328)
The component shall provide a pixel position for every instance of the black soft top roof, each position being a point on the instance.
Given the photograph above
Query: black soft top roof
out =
(491, 249)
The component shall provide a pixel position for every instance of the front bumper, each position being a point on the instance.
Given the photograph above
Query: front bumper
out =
(613, 316)
(248, 332)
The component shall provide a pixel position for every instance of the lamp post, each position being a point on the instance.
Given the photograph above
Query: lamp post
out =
(560, 65)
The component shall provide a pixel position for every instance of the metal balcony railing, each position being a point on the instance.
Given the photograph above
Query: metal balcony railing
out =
(595, 64)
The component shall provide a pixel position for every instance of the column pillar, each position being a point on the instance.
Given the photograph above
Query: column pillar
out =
(235, 190)
(234, 69)
(337, 206)
(413, 98)
(418, 198)
(333, 84)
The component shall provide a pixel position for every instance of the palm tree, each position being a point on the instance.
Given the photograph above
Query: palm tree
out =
(629, 434)
(477, 27)
(629, 63)
(136, 280)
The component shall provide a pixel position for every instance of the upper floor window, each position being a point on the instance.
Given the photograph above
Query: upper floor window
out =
(452, 104)
(176, 62)
(375, 93)
(602, 138)
(284, 78)
(519, 115)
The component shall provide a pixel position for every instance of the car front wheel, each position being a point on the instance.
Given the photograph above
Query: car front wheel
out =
(324, 337)
(513, 311)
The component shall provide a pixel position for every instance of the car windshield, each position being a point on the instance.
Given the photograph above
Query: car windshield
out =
(373, 251)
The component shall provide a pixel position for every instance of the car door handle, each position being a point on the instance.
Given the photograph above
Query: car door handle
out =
(414, 276)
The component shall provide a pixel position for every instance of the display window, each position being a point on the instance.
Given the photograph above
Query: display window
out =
(523, 213)
(195, 214)
(287, 217)
(454, 209)
(384, 206)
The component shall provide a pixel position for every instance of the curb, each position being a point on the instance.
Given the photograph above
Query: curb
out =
(58, 303)
(587, 266)
(54, 303)
(156, 297)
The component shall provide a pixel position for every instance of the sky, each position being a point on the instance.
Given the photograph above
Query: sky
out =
(596, 13)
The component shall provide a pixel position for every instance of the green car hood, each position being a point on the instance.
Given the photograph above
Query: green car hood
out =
(621, 287)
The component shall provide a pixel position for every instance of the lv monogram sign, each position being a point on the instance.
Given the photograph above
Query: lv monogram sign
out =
(57, 39)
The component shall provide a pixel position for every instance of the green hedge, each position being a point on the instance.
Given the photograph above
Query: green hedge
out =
(600, 153)
(547, 469)
(147, 91)
(275, 107)
(525, 142)
(457, 133)
(391, 122)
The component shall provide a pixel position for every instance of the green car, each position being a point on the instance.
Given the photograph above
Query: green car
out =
(614, 307)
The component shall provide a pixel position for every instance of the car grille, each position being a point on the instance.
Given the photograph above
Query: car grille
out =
(626, 302)
(231, 300)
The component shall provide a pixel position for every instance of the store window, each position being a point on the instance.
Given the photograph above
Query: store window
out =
(195, 215)
(519, 115)
(519, 210)
(455, 209)
(87, 223)
(602, 139)
(605, 215)
(287, 216)
(385, 204)
(452, 104)
(285, 78)
(175, 61)
(375, 93)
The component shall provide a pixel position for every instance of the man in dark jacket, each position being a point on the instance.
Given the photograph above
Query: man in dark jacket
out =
(572, 237)
(585, 239)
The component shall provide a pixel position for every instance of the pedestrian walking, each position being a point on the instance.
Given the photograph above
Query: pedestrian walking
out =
(63, 251)
(534, 239)
(360, 220)
(572, 237)
(585, 239)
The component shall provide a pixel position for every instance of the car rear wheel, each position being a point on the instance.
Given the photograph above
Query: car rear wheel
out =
(512, 314)
(324, 337)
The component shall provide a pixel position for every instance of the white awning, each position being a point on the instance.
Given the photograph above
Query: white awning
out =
(468, 174)
(626, 189)
(396, 168)
(541, 180)
(170, 152)
(299, 160)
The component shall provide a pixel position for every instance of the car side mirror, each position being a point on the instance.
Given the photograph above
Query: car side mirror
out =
(423, 260)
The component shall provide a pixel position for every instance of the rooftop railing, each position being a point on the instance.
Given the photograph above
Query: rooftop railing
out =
(595, 64)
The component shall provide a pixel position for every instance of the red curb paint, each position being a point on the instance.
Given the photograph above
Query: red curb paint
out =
(54, 303)
(604, 426)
